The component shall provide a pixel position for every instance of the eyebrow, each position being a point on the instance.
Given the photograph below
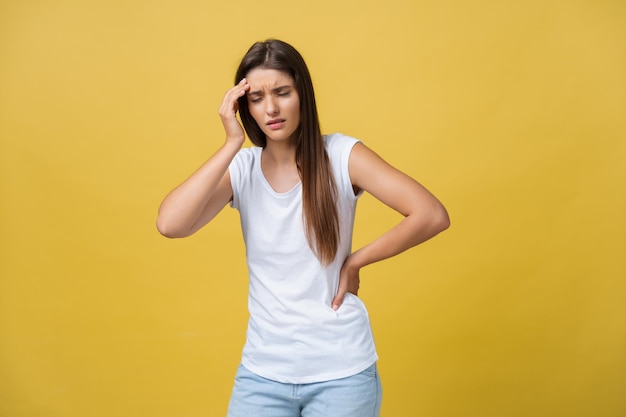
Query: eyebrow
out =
(275, 90)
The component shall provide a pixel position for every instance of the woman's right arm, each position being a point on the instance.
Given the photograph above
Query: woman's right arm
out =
(200, 197)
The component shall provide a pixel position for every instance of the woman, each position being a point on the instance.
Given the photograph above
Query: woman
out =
(309, 349)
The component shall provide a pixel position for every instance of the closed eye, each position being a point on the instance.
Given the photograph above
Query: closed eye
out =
(282, 91)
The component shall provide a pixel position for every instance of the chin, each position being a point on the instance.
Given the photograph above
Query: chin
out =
(280, 136)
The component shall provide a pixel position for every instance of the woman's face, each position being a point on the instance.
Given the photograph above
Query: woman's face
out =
(274, 103)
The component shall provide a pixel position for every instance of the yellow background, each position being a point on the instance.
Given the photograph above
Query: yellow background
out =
(511, 112)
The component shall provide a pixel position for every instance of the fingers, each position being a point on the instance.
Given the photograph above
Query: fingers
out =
(341, 295)
(228, 112)
(338, 300)
(229, 104)
(349, 282)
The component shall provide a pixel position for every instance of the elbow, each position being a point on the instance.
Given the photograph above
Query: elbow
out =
(164, 230)
(442, 219)
(437, 220)
(168, 230)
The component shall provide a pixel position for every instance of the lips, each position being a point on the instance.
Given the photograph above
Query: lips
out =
(276, 123)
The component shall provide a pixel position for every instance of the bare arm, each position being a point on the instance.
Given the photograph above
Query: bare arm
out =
(424, 215)
(200, 197)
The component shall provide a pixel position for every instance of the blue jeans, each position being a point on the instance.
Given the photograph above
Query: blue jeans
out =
(359, 395)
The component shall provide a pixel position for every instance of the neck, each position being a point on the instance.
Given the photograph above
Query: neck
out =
(278, 163)
(280, 153)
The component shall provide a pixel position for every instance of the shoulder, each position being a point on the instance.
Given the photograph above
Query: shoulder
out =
(339, 148)
(338, 139)
(246, 156)
(248, 153)
(338, 143)
(243, 163)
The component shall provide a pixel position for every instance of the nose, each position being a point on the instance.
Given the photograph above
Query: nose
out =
(271, 107)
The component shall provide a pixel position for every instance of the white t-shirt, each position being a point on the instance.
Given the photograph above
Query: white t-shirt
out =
(293, 335)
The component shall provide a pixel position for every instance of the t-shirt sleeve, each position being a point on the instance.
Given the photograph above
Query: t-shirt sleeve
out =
(339, 148)
(239, 170)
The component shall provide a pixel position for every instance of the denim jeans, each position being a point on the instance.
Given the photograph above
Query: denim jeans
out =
(359, 395)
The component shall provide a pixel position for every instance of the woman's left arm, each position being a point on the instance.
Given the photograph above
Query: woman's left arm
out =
(424, 215)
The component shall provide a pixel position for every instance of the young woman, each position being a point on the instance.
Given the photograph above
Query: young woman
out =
(309, 349)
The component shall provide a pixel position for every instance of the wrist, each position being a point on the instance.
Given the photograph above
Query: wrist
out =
(233, 144)
(354, 261)
(364, 256)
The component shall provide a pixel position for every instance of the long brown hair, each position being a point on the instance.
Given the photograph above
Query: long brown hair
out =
(319, 191)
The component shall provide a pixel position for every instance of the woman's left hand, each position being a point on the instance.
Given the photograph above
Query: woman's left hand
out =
(348, 282)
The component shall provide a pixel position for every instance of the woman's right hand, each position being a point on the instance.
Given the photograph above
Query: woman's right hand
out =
(228, 113)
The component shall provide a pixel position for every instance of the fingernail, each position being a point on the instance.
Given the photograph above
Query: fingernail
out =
(335, 307)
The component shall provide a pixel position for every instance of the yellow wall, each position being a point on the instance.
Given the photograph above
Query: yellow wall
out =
(511, 112)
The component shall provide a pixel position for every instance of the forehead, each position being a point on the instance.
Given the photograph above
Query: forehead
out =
(264, 78)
